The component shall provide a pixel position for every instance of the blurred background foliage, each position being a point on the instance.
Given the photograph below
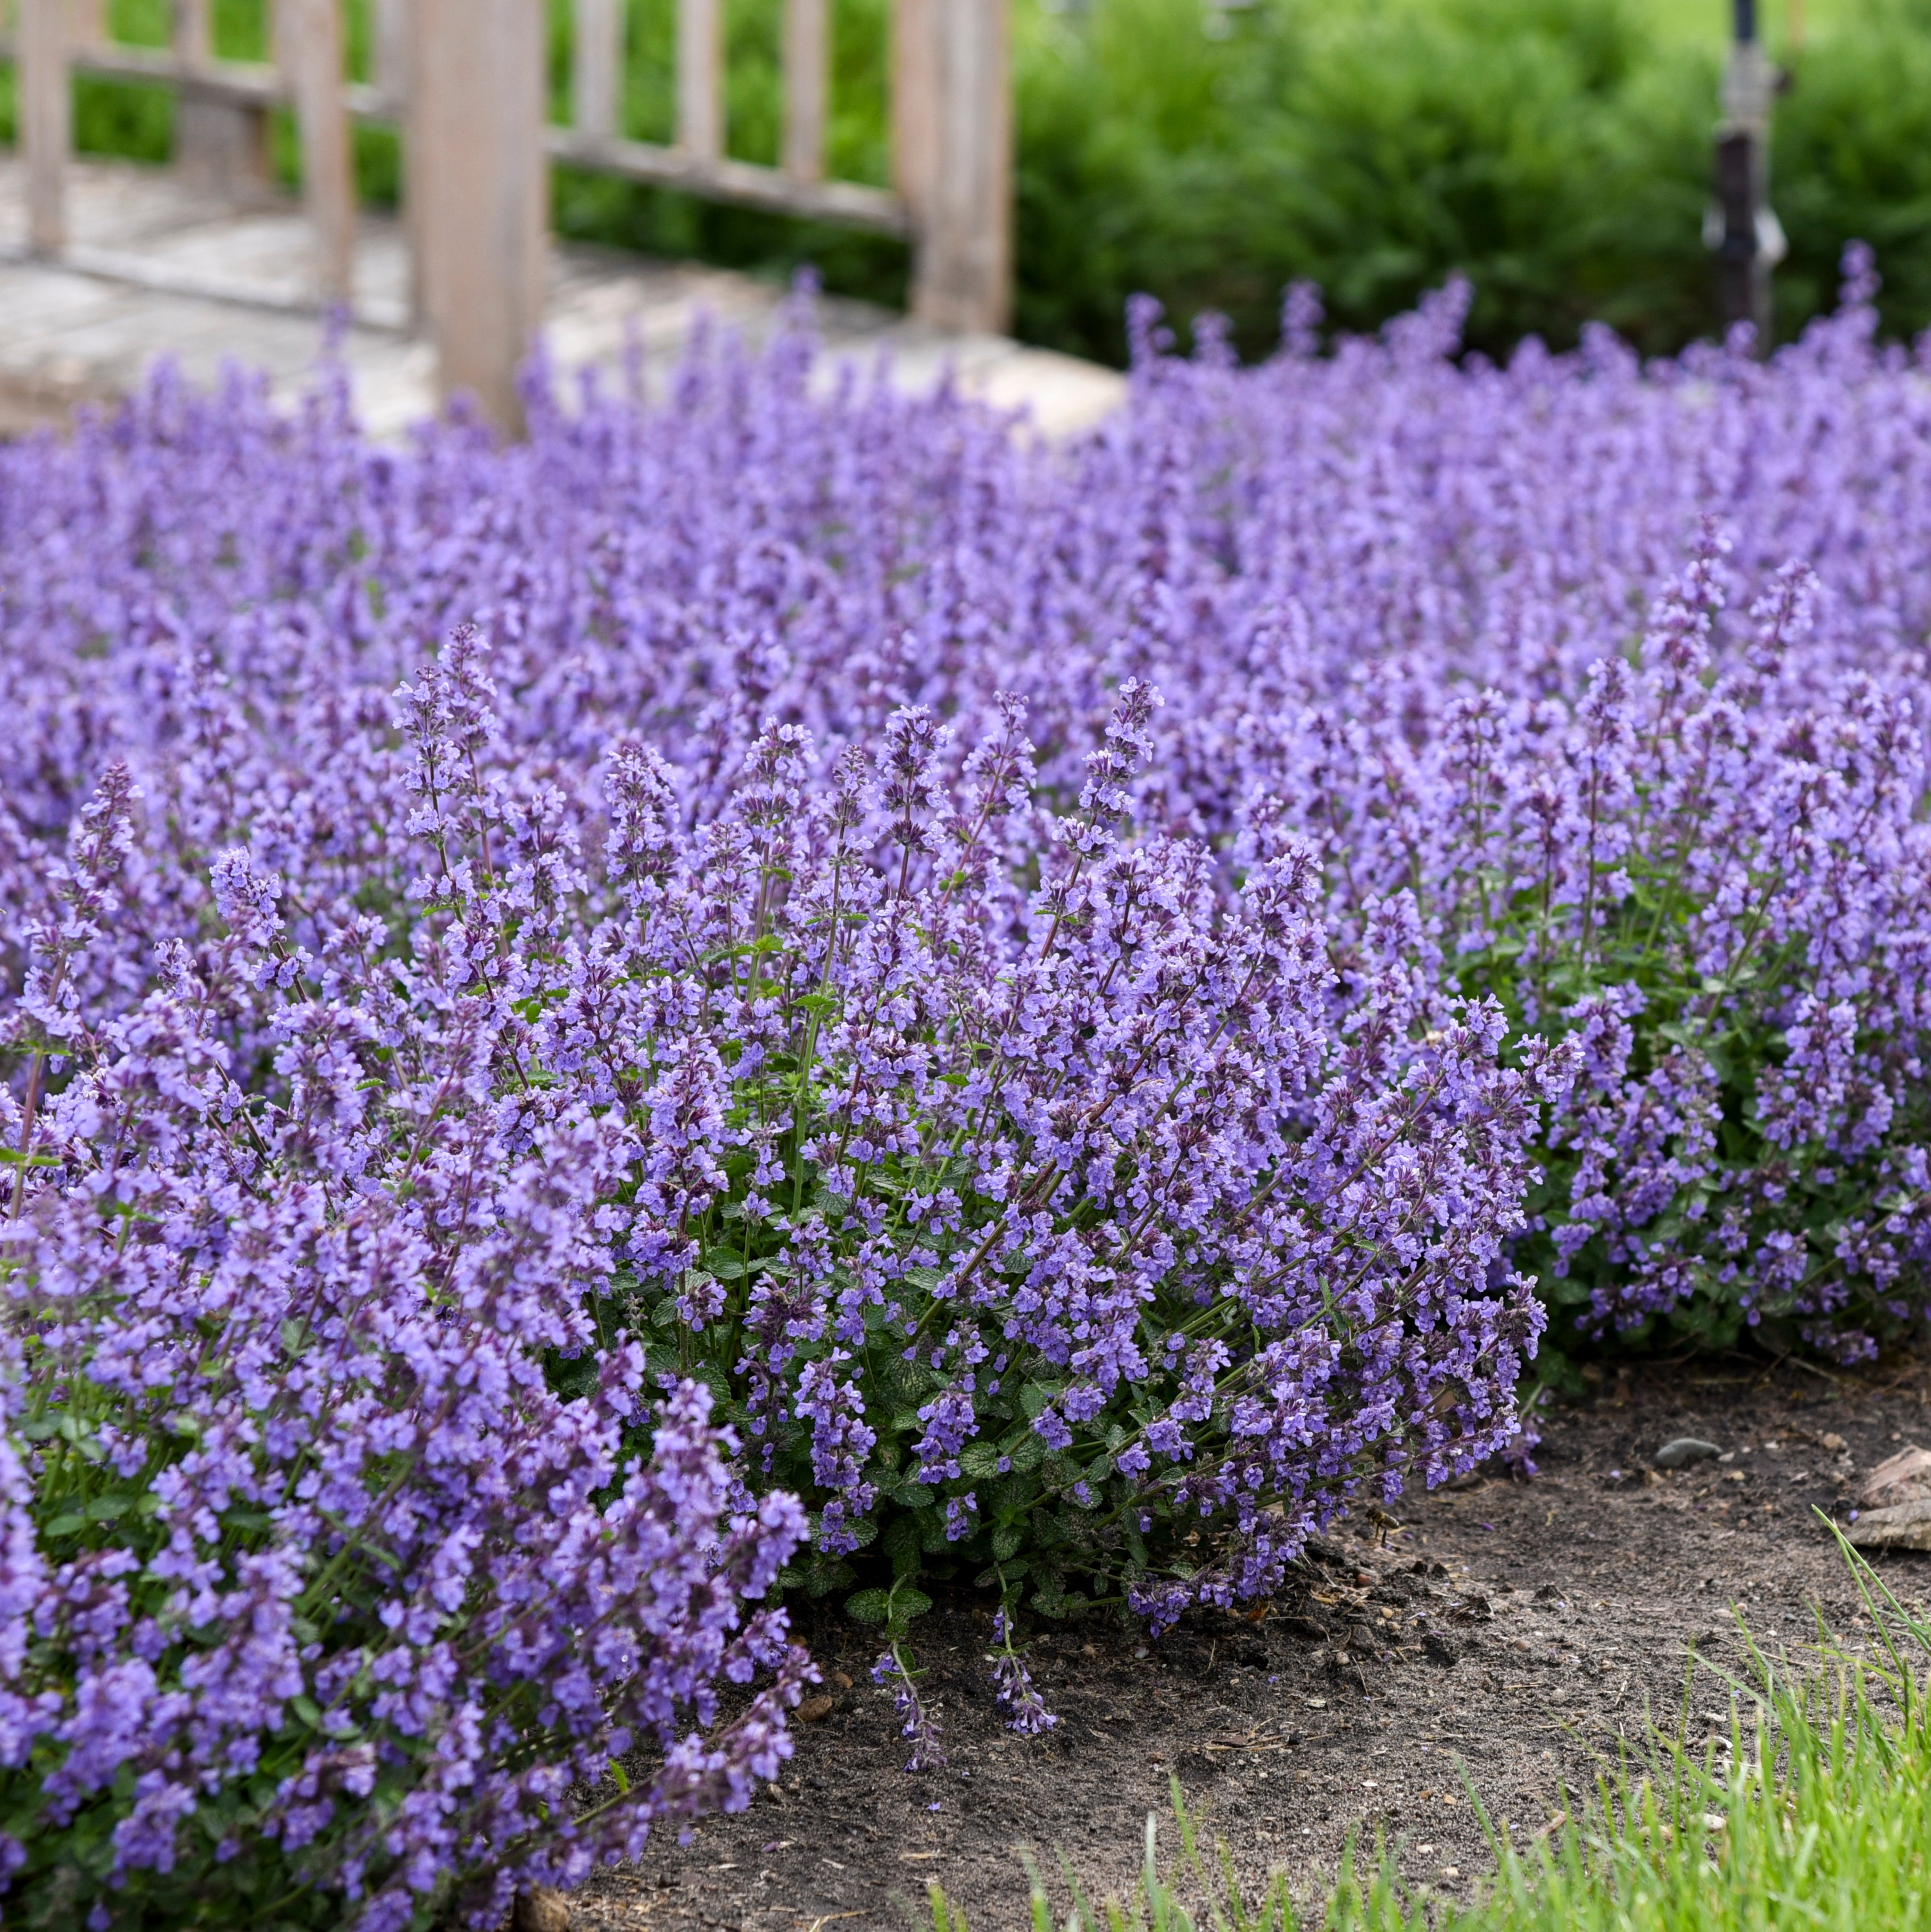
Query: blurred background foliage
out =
(1208, 151)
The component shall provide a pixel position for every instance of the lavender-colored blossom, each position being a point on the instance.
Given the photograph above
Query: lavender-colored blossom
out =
(919, 1723)
(1012, 1683)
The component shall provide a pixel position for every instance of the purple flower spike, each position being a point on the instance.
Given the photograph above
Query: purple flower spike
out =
(918, 1723)
(1026, 1709)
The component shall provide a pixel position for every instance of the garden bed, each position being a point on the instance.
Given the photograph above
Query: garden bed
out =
(1597, 1579)
(1108, 1015)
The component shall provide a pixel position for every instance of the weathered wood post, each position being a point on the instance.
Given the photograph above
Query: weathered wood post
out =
(45, 107)
(395, 58)
(310, 47)
(915, 87)
(220, 146)
(807, 74)
(700, 86)
(953, 139)
(479, 194)
(597, 66)
(391, 48)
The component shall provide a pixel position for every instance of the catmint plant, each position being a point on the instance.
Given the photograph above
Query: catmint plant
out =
(783, 976)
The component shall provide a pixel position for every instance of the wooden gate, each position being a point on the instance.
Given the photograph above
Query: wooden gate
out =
(464, 80)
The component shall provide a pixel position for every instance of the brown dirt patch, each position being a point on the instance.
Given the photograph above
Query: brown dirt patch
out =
(1568, 1604)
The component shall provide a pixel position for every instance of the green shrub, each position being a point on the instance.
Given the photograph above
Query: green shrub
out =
(1558, 156)
(1853, 159)
(1545, 153)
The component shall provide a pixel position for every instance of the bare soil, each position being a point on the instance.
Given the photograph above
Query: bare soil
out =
(1506, 1635)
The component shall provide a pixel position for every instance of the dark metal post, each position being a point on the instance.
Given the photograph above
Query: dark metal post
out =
(1740, 227)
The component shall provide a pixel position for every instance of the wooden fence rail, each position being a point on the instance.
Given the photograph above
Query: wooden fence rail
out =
(465, 80)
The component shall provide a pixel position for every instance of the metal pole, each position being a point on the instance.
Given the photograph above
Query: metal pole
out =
(1741, 228)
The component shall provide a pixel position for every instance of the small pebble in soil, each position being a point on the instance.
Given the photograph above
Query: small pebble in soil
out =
(1684, 1449)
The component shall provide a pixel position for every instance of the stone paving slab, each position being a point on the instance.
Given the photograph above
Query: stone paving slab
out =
(155, 269)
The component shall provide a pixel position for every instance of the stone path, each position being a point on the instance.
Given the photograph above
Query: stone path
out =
(153, 269)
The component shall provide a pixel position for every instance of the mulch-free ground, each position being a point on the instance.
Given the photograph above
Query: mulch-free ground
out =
(1506, 1635)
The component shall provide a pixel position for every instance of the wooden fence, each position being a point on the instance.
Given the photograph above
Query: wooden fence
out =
(465, 79)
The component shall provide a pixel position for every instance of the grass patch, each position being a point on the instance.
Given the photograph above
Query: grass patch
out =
(1815, 1811)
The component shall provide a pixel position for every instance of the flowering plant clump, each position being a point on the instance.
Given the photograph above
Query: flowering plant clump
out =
(1038, 1229)
(1035, 1228)
(1716, 889)
(316, 1600)
(1086, 999)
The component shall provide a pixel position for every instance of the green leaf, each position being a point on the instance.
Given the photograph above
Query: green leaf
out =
(907, 1603)
(979, 1459)
(868, 1607)
(65, 1525)
(307, 1710)
(824, 1577)
(905, 1546)
(1006, 1539)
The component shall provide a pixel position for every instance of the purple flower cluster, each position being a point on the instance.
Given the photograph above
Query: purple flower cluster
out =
(1012, 1684)
(1080, 993)
(918, 1722)
(1032, 1184)
(1707, 875)
(314, 1593)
